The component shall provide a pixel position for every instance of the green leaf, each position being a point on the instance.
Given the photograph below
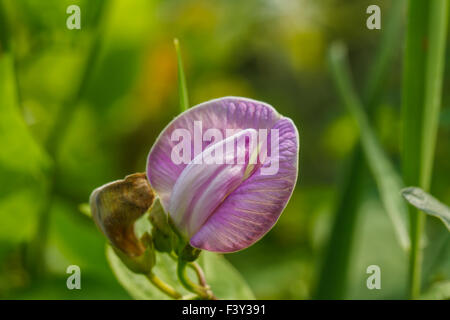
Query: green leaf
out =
(224, 280)
(182, 88)
(428, 204)
(75, 239)
(387, 179)
(439, 291)
(54, 288)
(23, 163)
(137, 285)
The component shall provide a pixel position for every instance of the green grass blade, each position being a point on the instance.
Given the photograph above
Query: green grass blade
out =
(333, 274)
(422, 88)
(334, 269)
(388, 181)
(428, 204)
(434, 80)
(182, 88)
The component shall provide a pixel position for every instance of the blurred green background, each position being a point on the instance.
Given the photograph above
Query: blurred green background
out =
(97, 98)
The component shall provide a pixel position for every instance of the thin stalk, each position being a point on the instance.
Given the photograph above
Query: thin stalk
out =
(412, 110)
(334, 272)
(164, 287)
(434, 81)
(199, 272)
(422, 89)
(203, 292)
(182, 87)
(194, 266)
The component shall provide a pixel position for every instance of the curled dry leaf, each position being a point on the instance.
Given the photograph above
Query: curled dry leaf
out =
(115, 208)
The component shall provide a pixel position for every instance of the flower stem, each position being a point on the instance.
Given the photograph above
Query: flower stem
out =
(199, 272)
(202, 291)
(164, 287)
(197, 269)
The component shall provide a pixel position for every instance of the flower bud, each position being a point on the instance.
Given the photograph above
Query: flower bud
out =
(115, 208)
(225, 195)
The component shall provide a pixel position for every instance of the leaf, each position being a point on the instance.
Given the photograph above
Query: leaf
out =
(54, 288)
(137, 285)
(182, 88)
(75, 239)
(224, 280)
(23, 164)
(387, 179)
(428, 204)
(438, 291)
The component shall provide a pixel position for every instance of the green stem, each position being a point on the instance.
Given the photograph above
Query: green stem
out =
(417, 225)
(182, 87)
(197, 269)
(422, 89)
(203, 292)
(199, 272)
(164, 287)
(334, 269)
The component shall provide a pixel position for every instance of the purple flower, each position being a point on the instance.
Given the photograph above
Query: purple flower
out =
(224, 171)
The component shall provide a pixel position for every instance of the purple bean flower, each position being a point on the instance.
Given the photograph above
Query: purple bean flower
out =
(224, 171)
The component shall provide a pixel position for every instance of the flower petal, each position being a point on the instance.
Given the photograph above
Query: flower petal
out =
(201, 187)
(222, 114)
(252, 209)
